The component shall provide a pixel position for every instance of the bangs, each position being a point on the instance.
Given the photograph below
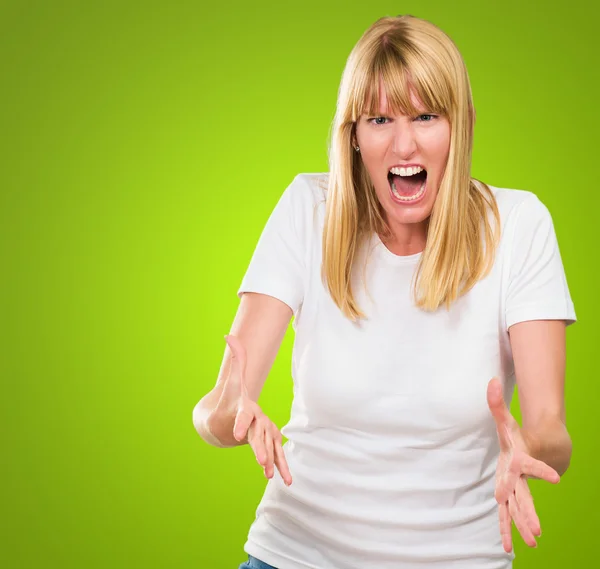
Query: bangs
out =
(391, 73)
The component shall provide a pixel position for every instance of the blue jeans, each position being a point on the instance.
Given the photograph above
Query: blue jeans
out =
(254, 563)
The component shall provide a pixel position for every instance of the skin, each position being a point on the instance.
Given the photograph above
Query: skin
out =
(399, 139)
(541, 448)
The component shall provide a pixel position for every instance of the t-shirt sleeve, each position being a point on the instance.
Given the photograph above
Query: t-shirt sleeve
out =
(537, 285)
(277, 267)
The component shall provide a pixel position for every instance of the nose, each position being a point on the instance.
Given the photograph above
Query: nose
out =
(404, 143)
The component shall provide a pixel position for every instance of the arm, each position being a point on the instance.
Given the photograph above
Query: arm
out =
(260, 325)
(538, 348)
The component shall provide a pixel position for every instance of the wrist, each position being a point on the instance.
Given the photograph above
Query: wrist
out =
(550, 443)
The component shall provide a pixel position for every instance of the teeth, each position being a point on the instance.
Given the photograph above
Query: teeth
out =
(399, 171)
(411, 198)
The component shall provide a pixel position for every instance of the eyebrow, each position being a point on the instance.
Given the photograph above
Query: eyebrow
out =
(387, 113)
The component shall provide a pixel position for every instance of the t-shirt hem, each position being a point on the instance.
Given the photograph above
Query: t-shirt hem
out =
(275, 559)
(275, 292)
(541, 312)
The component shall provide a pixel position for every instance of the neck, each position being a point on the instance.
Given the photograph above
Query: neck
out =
(407, 238)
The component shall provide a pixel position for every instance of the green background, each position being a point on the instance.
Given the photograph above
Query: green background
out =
(144, 145)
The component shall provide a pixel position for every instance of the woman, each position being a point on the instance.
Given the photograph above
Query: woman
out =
(421, 297)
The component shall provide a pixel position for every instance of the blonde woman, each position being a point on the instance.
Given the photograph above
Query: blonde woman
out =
(421, 297)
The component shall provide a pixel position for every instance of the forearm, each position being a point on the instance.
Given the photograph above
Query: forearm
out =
(550, 442)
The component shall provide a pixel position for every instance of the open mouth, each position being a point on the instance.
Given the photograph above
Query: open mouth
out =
(408, 188)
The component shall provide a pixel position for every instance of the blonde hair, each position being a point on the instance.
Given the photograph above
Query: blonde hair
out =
(408, 52)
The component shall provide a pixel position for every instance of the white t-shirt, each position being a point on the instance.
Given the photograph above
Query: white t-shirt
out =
(391, 444)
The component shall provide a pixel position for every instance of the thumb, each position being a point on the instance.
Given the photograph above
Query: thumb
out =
(499, 409)
(235, 385)
(242, 423)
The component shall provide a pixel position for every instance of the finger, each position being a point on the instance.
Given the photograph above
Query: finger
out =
(508, 481)
(242, 423)
(281, 462)
(513, 472)
(502, 491)
(237, 349)
(520, 523)
(270, 453)
(235, 384)
(539, 469)
(499, 410)
(505, 527)
(526, 506)
(256, 439)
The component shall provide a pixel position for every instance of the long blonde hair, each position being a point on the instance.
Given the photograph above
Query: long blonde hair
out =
(408, 52)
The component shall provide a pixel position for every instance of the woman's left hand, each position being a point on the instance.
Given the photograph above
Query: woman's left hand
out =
(515, 465)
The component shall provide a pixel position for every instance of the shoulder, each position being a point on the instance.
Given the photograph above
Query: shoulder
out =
(518, 207)
(310, 187)
(306, 196)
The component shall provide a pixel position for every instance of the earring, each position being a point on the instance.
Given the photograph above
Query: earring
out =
(357, 148)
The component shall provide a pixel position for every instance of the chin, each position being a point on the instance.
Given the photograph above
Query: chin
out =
(418, 215)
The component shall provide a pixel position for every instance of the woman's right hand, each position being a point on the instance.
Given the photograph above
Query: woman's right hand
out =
(251, 424)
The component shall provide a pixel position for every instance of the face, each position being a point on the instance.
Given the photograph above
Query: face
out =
(387, 141)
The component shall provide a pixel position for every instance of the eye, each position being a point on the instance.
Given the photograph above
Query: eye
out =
(377, 118)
